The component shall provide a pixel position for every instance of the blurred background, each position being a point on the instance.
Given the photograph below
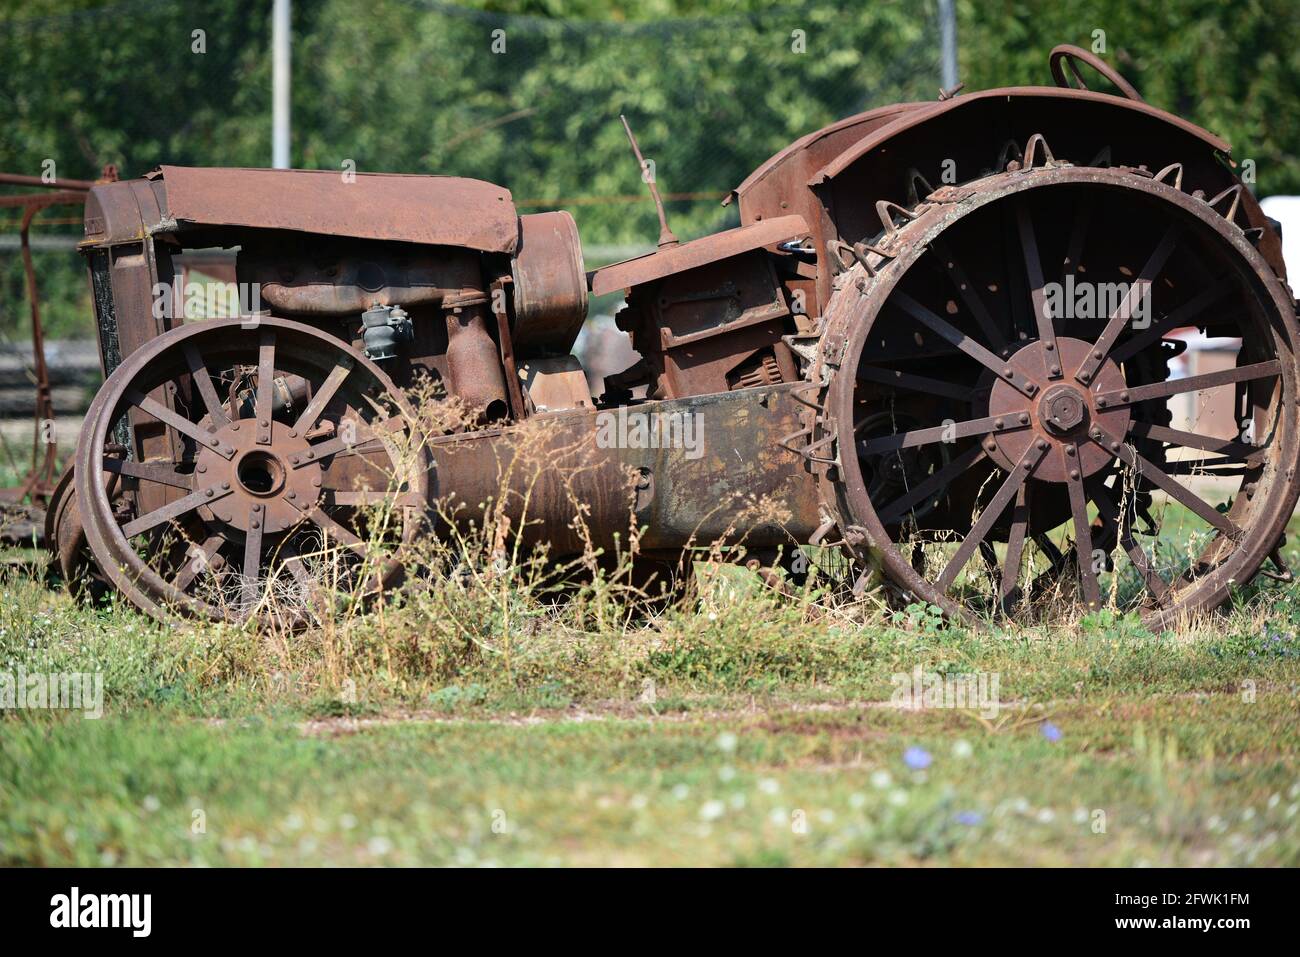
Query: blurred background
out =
(527, 93)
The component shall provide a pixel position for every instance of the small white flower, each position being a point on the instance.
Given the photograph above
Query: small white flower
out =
(712, 810)
(881, 779)
(769, 785)
(347, 822)
(898, 797)
(857, 800)
(727, 742)
(151, 803)
(681, 791)
(961, 748)
(379, 845)
(726, 773)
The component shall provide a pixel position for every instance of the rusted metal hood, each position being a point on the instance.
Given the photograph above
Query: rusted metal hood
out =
(698, 252)
(432, 210)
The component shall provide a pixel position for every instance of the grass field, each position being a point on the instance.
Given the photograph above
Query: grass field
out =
(742, 727)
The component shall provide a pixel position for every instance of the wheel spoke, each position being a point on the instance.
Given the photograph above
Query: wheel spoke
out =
(1124, 311)
(970, 297)
(1009, 422)
(203, 381)
(361, 498)
(1110, 512)
(1235, 451)
(161, 473)
(1195, 383)
(199, 561)
(1037, 288)
(359, 445)
(1181, 316)
(250, 586)
(1078, 235)
(173, 510)
(1001, 498)
(954, 336)
(323, 395)
(899, 507)
(913, 383)
(332, 528)
(292, 560)
(1015, 547)
(1083, 538)
(179, 423)
(264, 403)
(1174, 489)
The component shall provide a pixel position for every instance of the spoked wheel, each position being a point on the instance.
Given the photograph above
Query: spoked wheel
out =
(1010, 436)
(267, 469)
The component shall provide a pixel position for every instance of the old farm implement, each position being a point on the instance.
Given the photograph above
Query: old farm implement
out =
(941, 337)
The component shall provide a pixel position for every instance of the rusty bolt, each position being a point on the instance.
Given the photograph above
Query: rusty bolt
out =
(1074, 474)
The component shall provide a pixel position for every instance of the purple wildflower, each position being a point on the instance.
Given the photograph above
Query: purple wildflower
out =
(918, 759)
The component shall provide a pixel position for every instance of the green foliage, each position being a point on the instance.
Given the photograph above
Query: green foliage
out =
(712, 88)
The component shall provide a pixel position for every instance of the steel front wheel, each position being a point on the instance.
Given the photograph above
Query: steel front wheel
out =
(265, 467)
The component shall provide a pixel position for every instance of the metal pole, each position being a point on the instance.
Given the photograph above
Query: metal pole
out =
(280, 85)
(948, 43)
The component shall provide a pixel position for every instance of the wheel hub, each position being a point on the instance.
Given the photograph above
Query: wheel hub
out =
(1063, 413)
(267, 486)
(1062, 409)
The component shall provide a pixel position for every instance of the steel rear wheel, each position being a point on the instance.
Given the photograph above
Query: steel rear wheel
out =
(1003, 449)
(265, 468)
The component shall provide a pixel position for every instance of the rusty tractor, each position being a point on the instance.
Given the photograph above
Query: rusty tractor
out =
(941, 337)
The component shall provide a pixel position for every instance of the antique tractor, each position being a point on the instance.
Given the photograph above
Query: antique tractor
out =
(941, 337)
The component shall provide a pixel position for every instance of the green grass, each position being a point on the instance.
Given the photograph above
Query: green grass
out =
(402, 738)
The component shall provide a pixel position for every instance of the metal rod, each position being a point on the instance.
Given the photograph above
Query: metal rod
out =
(280, 85)
(948, 43)
(666, 237)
